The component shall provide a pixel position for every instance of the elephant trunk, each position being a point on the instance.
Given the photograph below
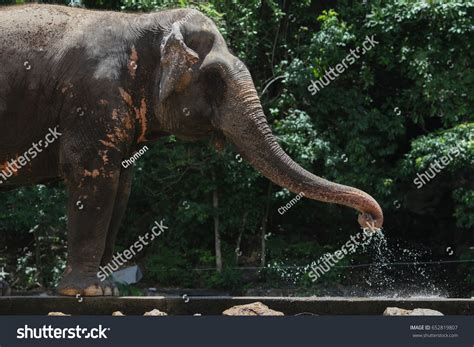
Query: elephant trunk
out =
(244, 124)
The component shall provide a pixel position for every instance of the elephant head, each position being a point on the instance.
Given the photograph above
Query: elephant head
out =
(204, 89)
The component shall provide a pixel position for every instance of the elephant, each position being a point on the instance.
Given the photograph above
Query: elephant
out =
(97, 86)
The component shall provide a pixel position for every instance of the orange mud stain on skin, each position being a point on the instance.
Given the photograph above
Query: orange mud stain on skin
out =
(134, 54)
(104, 156)
(126, 97)
(132, 63)
(184, 81)
(127, 122)
(108, 143)
(93, 173)
(141, 117)
(6, 167)
(122, 131)
(120, 134)
(96, 173)
(114, 114)
(11, 167)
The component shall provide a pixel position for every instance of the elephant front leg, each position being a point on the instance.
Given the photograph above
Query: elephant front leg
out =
(90, 207)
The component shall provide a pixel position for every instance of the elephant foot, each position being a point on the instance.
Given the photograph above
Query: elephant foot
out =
(77, 283)
(4, 288)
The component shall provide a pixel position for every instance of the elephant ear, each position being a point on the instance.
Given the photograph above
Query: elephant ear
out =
(176, 62)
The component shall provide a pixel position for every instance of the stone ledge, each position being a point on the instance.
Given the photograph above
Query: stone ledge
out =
(215, 305)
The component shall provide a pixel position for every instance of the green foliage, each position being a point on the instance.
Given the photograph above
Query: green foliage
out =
(464, 211)
(468, 255)
(165, 268)
(128, 290)
(457, 143)
(230, 278)
(36, 215)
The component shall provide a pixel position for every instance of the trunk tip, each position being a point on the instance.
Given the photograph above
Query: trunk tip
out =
(371, 221)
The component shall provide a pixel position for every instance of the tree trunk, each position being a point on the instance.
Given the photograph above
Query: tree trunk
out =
(217, 235)
(39, 272)
(239, 239)
(264, 226)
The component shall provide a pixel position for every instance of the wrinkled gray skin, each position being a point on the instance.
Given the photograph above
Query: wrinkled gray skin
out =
(113, 82)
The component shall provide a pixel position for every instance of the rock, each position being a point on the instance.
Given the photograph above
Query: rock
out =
(253, 309)
(57, 314)
(155, 312)
(425, 312)
(117, 314)
(395, 311)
